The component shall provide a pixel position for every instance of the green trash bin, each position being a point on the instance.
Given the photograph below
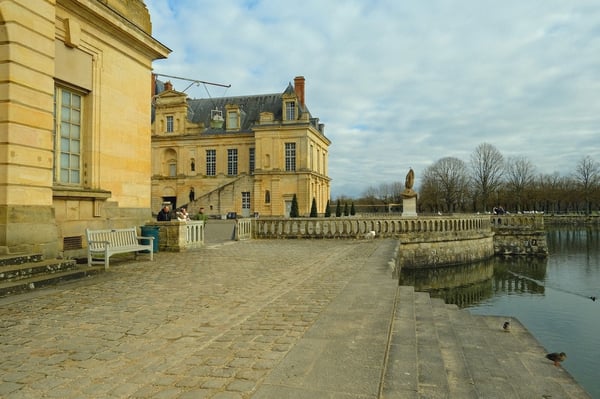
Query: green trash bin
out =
(150, 231)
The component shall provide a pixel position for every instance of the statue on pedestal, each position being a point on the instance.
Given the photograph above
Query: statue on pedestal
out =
(408, 184)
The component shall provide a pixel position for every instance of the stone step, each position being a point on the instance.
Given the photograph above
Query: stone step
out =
(433, 381)
(17, 259)
(401, 374)
(21, 273)
(484, 361)
(15, 272)
(460, 383)
(37, 281)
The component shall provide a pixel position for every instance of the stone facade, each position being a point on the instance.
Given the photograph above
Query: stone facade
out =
(249, 155)
(74, 121)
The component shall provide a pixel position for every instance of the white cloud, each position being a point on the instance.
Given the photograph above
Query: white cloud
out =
(401, 84)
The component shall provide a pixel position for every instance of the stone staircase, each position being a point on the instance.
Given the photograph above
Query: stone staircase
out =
(439, 351)
(26, 272)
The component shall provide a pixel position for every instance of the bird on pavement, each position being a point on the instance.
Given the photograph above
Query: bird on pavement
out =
(556, 357)
(506, 326)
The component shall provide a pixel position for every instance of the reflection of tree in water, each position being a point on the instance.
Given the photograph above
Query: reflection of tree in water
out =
(469, 284)
(574, 240)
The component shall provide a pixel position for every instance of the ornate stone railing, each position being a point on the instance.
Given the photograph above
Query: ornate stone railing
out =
(243, 229)
(523, 221)
(355, 227)
(179, 236)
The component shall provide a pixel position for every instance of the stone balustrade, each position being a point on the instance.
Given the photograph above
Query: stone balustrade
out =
(243, 230)
(178, 235)
(358, 227)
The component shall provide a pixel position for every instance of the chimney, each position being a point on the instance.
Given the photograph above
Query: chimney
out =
(299, 89)
(168, 86)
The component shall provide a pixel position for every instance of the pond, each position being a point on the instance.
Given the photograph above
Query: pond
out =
(554, 297)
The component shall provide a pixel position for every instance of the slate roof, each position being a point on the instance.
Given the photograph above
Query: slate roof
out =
(250, 108)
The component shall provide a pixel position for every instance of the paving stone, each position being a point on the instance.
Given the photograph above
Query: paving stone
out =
(262, 319)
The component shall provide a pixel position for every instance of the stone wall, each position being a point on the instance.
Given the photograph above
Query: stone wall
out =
(519, 235)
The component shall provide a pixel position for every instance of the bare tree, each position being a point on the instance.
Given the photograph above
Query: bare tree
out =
(487, 167)
(587, 176)
(520, 176)
(449, 175)
(549, 192)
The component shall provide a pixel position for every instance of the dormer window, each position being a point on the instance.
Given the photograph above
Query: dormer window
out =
(232, 120)
(290, 110)
(233, 117)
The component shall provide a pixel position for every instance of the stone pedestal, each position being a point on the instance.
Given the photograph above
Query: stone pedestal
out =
(409, 205)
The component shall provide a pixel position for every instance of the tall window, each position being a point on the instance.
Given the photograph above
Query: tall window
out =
(251, 158)
(232, 162)
(211, 162)
(290, 157)
(290, 110)
(173, 168)
(67, 140)
(246, 200)
(170, 124)
(232, 120)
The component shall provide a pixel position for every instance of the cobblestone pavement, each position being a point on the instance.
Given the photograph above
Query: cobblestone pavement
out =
(211, 323)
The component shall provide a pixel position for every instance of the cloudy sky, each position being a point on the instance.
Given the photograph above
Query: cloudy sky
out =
(401, 83)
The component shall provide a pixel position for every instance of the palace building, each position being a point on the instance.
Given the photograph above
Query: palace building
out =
(75, 114)
(247, 155)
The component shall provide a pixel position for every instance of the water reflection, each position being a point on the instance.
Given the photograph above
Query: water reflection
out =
(469, 284)
(551, 297)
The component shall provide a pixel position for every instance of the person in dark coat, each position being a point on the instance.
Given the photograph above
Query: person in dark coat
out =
(192, 194)
(164, 215)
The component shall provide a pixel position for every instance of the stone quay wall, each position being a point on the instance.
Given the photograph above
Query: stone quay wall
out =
(519, 235)
(427, 241)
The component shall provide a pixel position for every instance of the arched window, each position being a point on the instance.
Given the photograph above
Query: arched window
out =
(267, 197)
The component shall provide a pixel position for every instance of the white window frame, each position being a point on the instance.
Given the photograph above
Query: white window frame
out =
(290, 157)
(170, 124)
(290, 110)
(251, 160)
(211, 162)
(232, 162)
(68, 135)
(233, 117)
(245, 199)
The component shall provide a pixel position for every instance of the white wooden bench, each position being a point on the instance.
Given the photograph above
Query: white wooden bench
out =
(115, 241)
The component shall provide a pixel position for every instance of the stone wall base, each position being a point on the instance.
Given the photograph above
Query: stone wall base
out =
(28, 229)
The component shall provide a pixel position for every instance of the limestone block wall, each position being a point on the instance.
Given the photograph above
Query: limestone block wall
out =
(431, 251)
(99, 53)
(519, 235)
